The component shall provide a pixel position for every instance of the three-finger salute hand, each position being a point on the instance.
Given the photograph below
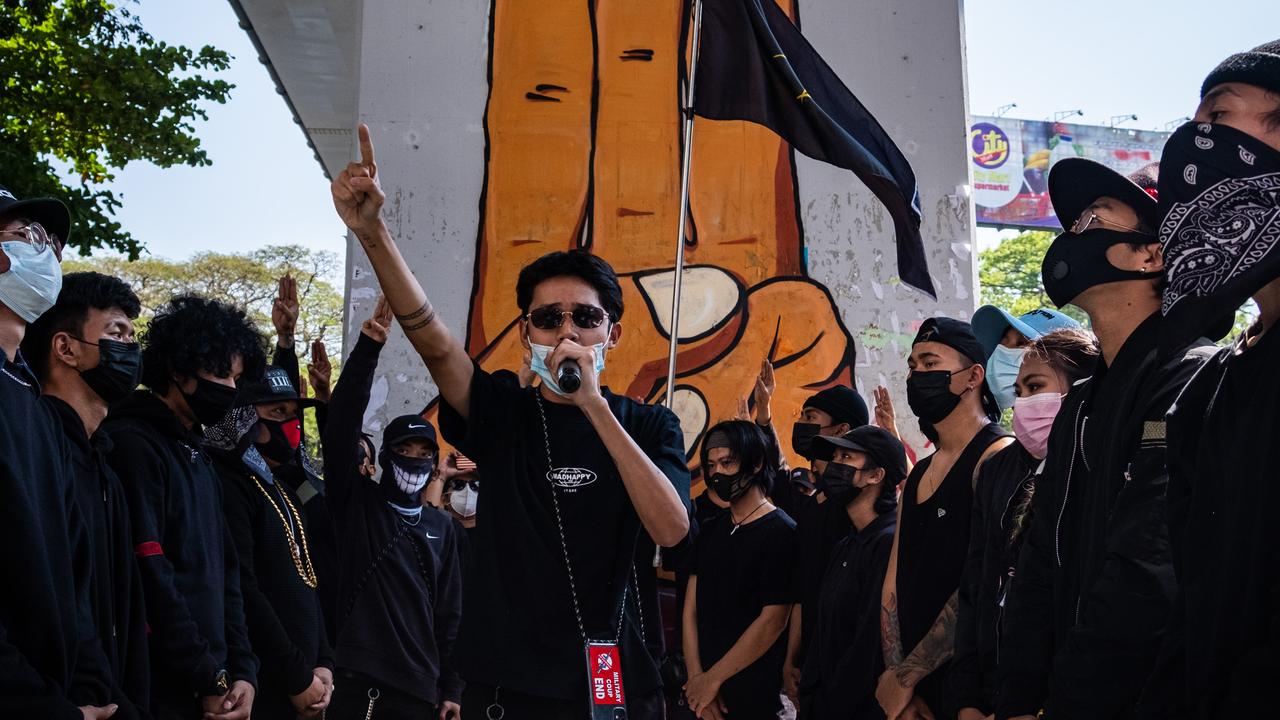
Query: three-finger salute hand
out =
(357, 194)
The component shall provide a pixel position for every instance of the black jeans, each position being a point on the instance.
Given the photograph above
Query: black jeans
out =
(353, 693)
(477, 699)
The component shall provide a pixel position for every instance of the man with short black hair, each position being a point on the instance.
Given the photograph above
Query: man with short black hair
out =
(51, 661)
(194, 352)
(84, 352)
(583, 468)
(1221, 193)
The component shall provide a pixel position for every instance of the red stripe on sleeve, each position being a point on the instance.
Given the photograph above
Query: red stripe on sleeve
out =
(148, 549)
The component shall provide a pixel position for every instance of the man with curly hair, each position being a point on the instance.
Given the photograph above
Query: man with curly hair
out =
(194, 352)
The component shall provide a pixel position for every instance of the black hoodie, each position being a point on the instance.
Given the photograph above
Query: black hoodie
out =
(190, 572)
(1094, 586)
(50, 658)
(116, 588)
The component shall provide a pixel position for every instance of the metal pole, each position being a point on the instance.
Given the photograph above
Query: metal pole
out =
(687, 111)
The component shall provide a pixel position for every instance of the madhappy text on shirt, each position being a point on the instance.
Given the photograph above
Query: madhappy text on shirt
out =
(571, 478)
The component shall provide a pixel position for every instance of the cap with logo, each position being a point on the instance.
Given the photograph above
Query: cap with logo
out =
(958, 335)
(882, 449)
(409, 427)
(275, 386)
(990, 324)
(50, 213)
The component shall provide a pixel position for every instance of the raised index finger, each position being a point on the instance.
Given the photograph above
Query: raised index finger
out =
(366, 148)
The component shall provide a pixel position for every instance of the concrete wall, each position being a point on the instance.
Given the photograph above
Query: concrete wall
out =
(423, 88)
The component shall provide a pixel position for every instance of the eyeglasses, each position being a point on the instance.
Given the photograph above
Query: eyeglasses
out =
(1089, 219)
(36, 235)
(585, 317)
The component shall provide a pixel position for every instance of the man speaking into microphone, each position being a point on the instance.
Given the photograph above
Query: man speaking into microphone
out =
(572, 472)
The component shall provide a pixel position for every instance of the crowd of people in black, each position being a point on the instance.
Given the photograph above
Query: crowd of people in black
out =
(177, 551)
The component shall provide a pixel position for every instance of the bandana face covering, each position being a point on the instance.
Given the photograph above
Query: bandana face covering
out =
(404, 477)
(1221, 231)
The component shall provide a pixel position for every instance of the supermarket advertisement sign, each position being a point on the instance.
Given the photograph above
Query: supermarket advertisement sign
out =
(1011, 160)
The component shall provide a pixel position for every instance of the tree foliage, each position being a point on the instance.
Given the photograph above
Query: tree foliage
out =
(1009, 274)
(247, 280)
(87, 90)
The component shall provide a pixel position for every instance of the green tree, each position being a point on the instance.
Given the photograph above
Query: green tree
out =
(85, 89)
(247, 280)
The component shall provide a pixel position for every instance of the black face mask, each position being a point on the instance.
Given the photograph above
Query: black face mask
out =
(930, 397)
(730, 487)
(282, 442)
(404, 477)
(211, 401)
(836, 482)
(118, 372)
(802, 435)
(1075, 263)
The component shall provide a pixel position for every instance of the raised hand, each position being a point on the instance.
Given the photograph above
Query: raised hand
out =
(884, 411)
(320, 371)
(378, 324)
(284, 311)
(744, 411)
(765, 385)
(357, 195)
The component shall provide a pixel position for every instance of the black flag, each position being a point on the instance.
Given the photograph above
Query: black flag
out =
(754, 65)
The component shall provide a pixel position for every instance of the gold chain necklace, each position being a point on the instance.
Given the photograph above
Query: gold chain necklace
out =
(301, 555)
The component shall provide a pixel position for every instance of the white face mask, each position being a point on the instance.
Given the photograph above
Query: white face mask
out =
(539, 365)
(463, 500)
(34, 279)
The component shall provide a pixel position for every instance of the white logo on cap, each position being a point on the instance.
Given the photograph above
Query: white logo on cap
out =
(6, 193)
(417, 427)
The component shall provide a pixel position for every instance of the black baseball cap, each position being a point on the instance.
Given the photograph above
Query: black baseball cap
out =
(409, 427)
(1076, 183)
(274, 386)
(49, 212)
(883, 449)
(842, 403)
(958, 335)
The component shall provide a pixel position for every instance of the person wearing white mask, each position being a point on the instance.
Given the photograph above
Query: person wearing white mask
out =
(1002, 501)
(1005, 338)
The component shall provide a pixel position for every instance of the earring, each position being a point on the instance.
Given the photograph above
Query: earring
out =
(1144, 269)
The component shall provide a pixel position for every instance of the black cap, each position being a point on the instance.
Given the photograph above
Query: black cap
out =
(801, 477)
(50, 213)
(958, 335)
(409, 427)
(881, 448)
(1077, 183)
(1259, 67)
(274, 386)
(842, 404)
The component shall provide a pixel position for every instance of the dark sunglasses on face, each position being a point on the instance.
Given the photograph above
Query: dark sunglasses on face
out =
(585, 317)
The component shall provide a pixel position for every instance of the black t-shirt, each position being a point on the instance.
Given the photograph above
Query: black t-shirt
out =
(819, 526)
(739, 574)
(520, 629)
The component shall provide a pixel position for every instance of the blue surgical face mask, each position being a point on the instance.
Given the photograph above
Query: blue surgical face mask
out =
(1002, 372)
(539, 365)
(34, 279)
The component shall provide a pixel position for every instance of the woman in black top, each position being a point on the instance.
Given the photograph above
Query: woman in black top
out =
(742, 588)
(1001, 511)
(277, 574)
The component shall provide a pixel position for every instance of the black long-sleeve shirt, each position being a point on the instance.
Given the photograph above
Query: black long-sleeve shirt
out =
(401, 595)
(116, 585)
(286, 624)
(190, 571)
(50, 658)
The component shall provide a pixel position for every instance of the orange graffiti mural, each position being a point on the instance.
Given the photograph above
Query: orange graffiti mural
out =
(583, 131)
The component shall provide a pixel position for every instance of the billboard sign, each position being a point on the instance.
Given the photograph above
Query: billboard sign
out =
(1011, 161)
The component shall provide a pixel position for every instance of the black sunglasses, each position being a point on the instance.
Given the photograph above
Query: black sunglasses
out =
(585, 317)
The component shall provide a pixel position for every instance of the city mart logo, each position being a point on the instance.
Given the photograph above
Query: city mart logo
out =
(988, 145)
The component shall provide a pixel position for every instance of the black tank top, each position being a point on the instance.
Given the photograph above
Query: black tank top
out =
(933, 539)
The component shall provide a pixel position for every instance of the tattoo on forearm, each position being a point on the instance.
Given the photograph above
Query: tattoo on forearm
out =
(938, 645)
(417, 319)
(890, 633)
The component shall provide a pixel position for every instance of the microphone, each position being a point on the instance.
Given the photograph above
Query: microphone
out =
(570, 376)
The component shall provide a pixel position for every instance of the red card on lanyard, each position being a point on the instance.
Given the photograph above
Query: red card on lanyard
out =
(604, 667)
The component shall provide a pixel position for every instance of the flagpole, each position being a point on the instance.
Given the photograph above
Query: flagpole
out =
(687, 117)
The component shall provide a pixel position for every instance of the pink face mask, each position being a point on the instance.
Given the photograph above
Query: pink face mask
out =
(1033, 419)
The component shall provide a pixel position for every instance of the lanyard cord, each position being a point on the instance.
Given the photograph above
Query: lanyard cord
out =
(564, 545)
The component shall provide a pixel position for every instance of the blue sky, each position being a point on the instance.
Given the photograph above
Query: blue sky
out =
(1105, 57)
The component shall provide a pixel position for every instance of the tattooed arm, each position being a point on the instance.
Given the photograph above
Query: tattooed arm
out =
(892, 695)
(936, 648)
